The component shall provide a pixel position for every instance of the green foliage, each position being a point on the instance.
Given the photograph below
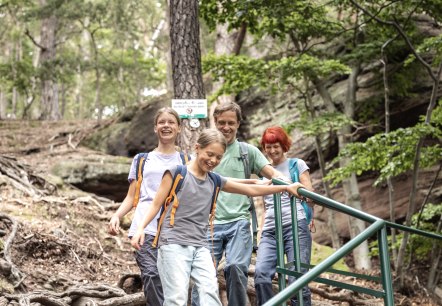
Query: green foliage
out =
(242, 72)
(420, 246)
(238, 72)
(393, 153)
(326, 123)
(277, 18)
(432, 45)
(126, 62)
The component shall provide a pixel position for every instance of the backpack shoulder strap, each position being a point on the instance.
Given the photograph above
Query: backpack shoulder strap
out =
(217, 186)
(216, 178)
(177, 182)
(294, 175)
(141, 161)
(185, 158)
(244, 153)
(293, 169)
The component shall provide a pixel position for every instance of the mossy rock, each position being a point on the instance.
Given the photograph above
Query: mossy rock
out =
(5, 286)
(322, 252)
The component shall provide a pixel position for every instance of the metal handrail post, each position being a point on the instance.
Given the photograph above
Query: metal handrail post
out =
(324, 265)
(295, 234)
(384, 257)
(279, 239)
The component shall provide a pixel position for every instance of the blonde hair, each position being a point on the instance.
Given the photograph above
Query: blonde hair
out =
(209, 136)
(168, 110)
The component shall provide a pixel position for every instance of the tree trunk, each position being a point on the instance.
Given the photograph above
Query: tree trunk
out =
(63, 99)
(79, 78)
(391, 201)
(98, 109)
(330, 212)
(3, 105)
(49, 95)
(350, 185)
(15, 94)
(186, 62)
(412, 201)
(226, 43)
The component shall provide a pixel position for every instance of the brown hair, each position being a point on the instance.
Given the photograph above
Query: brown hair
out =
(168, 110)
(225, 107)
(209, 136)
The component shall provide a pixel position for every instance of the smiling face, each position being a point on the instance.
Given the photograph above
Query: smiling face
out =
(210, 156)
(275, 152)
(167, 127)
(228, 124)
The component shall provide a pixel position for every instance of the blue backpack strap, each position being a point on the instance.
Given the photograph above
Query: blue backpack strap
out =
(294, 175)
(185, 158)
(141, 158)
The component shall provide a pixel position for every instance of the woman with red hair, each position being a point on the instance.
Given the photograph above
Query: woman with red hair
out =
(276, 143)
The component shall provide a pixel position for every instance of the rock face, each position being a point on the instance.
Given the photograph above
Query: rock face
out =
(132, 132)
(101, 174)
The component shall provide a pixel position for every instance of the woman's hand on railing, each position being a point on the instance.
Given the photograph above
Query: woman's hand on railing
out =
(293, 189)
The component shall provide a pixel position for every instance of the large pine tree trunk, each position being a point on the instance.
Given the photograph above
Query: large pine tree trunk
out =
(49, 91)
(186, 62)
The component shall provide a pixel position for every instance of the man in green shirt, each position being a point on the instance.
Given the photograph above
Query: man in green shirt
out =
(232, 235)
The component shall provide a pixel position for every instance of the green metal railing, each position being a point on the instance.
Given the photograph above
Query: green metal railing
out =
(378, 226)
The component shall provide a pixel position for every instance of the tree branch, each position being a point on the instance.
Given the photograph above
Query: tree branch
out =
(401, 33)
(28, 34)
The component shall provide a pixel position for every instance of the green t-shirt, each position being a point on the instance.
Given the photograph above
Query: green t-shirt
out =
(231, 206)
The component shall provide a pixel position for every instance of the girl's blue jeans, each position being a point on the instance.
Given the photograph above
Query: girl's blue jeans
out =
(178, 264)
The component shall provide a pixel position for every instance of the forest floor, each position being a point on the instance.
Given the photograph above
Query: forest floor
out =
(54, 241)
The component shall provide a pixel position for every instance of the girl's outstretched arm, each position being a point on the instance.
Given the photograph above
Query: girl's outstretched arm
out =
(161, 195)
(259, 190)
(249, 181)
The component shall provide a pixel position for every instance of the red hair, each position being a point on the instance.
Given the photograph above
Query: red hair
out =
(276, 134)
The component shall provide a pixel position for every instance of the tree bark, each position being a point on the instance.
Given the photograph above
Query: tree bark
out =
(391, 200)
(49, 90)
(98, 108)
(186, 63)
(350, 185)
(336, 244)
(412, 201)
(226, 43)
(3, 105)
